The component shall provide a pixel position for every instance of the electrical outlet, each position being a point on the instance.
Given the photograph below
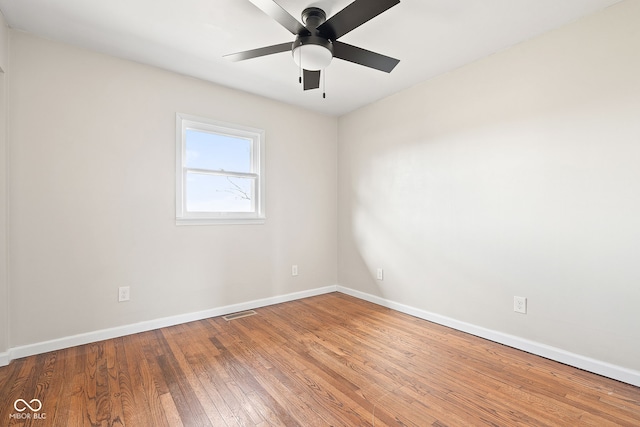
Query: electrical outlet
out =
(294, 270)
(123, 293)
(380, 274)
(520, 305)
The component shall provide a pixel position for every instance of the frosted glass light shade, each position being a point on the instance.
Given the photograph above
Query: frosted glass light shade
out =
(314, 57)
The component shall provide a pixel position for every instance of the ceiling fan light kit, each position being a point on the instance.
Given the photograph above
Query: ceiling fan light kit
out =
(316, 42)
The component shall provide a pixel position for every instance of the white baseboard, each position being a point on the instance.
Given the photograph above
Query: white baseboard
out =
(89, 337)
(605, 369)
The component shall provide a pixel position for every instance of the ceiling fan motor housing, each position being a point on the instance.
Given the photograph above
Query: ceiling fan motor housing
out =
(313, 17)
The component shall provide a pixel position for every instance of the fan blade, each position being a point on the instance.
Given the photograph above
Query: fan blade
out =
(364, 57)
(354, 15)
(311, 79)
(263, 51)
(283, 17)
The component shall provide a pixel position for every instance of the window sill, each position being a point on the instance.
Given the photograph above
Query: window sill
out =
(220, 221)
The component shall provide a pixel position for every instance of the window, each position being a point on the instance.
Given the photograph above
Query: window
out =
(219, 173)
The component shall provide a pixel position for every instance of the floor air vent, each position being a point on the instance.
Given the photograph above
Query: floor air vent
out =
(239, 315)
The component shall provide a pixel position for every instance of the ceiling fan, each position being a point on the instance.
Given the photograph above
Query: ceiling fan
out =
(316, 42)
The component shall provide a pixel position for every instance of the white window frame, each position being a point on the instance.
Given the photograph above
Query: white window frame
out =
(183, 217)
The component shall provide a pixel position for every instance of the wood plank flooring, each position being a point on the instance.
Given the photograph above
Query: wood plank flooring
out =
(330, 360)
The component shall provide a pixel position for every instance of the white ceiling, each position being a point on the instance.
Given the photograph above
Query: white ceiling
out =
(430, 37)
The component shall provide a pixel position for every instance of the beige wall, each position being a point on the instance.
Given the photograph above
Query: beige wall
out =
(515, 175)
(4, 44)
(92, 186)
(4, 296)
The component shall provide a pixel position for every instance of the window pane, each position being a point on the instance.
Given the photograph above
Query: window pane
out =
(213, 151)
(212, 193)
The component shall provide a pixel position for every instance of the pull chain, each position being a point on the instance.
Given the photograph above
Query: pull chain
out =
(324, 83)
(300, 67)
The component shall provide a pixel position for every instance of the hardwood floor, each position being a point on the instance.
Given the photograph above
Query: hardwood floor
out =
(330, 360)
